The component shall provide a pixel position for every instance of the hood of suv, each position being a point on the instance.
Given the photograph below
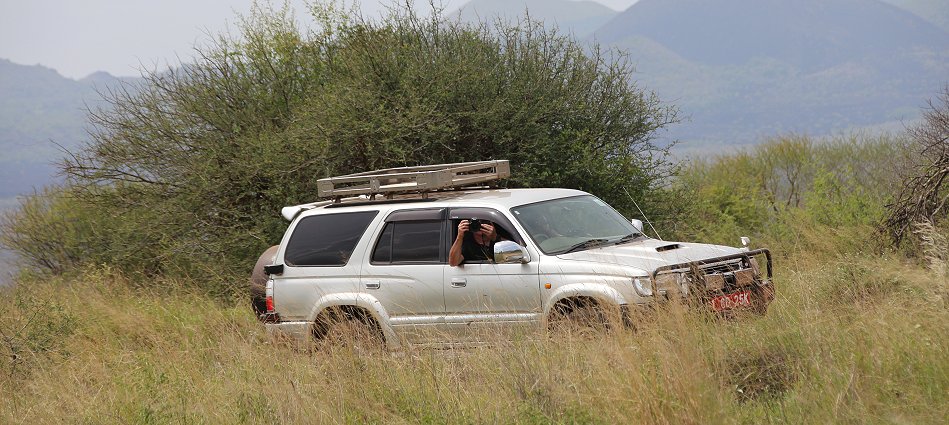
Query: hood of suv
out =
(649, 254)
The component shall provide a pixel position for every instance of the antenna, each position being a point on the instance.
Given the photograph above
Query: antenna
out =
(642, 213)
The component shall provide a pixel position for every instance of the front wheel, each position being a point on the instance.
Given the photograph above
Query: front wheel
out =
(579, 318)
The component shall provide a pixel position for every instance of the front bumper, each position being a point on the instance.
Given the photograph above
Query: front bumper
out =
(708, 278)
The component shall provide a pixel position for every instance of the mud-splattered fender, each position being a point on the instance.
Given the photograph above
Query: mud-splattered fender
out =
(602, 292)
(365, 301)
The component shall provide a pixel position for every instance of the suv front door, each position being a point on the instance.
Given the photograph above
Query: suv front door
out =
(483, 298)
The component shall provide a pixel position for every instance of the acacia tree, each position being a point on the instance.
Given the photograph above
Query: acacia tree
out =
(204, 156)
(923, 196)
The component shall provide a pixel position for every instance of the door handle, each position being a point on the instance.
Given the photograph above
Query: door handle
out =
(373, 284)
(458, 282)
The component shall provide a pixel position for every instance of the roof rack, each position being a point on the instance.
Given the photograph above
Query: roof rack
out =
(422, 179)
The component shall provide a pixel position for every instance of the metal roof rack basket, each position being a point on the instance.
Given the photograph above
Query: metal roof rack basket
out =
(422, 179)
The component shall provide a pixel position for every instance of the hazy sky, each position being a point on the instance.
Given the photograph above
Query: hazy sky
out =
(78, 37)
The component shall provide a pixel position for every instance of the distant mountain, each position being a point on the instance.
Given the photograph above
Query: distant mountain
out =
(934, 11)
(744, 69)
(40, 109)
(581, 17)
(808, 34)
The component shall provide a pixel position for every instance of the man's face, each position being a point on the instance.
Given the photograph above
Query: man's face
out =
(480, 234)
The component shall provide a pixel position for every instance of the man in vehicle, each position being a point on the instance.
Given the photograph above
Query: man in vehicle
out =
(475, 242)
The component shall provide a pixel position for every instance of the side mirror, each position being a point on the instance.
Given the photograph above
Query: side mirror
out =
(509, 252)
(638, 224)
(745, 241)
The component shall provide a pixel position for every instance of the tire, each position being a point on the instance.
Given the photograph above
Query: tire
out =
(762, 296)
(348, 328)
(257, 285)
(581, 318)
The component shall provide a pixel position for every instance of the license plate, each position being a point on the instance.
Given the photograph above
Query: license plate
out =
(731, 301)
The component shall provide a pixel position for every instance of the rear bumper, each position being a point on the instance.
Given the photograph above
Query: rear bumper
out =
(297, 331)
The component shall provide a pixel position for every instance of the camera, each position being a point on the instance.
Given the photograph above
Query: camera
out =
(474, 225)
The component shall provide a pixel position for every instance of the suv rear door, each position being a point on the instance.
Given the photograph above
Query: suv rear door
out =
(405, 270)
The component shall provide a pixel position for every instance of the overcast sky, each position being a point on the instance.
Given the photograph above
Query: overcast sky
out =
(79, 37)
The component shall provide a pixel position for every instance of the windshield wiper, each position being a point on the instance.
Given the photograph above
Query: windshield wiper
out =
(627, 238)
(589, 243)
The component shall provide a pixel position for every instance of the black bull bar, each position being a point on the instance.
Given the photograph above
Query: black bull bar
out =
(698, 263)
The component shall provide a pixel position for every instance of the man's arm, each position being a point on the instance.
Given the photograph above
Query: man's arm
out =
(454, 254)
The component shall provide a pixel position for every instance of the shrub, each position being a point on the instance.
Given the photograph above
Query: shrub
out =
(196, 163)
(791, 189)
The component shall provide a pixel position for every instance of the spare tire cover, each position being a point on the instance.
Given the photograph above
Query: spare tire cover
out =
(258, 281)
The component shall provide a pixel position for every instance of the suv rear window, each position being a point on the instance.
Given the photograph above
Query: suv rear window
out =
(326, 240)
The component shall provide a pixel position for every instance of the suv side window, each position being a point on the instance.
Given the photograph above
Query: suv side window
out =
(412, 237)
(410, 242)
(327, 239)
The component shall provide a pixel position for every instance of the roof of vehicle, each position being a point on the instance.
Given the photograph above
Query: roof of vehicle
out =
(500, 198)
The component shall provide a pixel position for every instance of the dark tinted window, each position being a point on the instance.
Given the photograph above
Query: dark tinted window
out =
(383, 251)
(409, 242)
(326, 240)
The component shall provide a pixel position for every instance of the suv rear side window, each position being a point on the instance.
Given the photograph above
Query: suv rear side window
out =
(326, 240)
(410, 242)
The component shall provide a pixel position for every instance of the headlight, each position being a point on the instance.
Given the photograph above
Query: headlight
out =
(672, 282)
(643, 287)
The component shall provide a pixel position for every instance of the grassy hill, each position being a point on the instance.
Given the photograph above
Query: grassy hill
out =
(852, 337)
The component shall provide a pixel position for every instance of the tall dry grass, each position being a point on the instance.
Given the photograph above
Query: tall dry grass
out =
(850, 339)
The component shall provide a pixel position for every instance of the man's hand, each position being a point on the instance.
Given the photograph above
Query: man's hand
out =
(489, 232)
(462, 228)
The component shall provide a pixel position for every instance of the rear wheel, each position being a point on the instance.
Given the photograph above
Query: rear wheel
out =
(348, 328)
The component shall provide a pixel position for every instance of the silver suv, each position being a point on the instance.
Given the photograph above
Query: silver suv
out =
(381, 267)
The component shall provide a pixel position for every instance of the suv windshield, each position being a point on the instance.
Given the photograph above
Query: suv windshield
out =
(572, 224)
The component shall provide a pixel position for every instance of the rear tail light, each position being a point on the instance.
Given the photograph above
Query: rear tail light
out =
(271, 315)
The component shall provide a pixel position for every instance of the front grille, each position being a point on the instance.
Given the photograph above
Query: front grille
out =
(721, 267)
(722, 276)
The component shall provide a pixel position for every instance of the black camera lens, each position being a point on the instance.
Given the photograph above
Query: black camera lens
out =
(474, 225)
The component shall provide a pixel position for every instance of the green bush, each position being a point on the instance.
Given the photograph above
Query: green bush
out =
(189, 170)
(793, 190)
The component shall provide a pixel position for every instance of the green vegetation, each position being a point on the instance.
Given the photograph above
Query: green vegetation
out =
(772, 189)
